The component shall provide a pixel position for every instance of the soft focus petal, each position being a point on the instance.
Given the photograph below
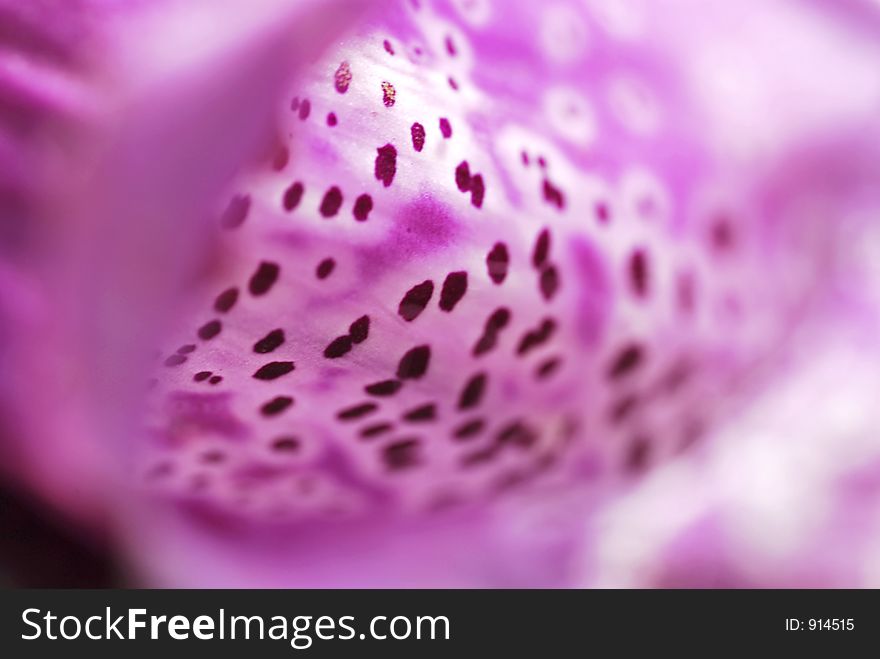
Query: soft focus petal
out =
(502, 256)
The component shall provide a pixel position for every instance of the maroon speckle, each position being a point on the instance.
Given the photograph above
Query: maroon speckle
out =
(452, 83)
(450, 46)
(401, 455)
(209, 330)
(553, 195)
(338, 347)
(331, 119)
(721, 234)
(418, 136)
(454, 288)
(547, 368)
(638, 272)
(201, 375)
(325, 268)
(463, 176)
(331, 202)
(359, 330)
(415, 300)
(226, 300)
(276, 405)
(362, 207)
(637, 454)
(388, 47)
(445, 128)
(285, 444)
(472, 393)
(175, 360)
(356, 412)
(389, 94)
(626, 361)
(294, 103)
(422, 413)
(186, 349)
(305, 108)
(497, 262)
(386, 164)
(270, 342)
(236, 212)
(264, 278)
(216, 379)
(549, 282)
(414, 363)
(292, 196)
(469, 429)
(384, 388)
(376, 429)
(273, 370)
(603, 213)
(342, 77)
(478, 190)
(542, 249)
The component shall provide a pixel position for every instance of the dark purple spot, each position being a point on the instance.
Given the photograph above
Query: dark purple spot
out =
(362, 207)
(542, 249)
(454, 287)
(627, 360)
(547, 368)
(445, 128)
(236, 212)
(209, 330)
(623, 408)
(463, 176)
(338, 347)
(497, 261)
(498, 319)
(473, 392)
(186, 349)
(427, 412)
(342, 77)
(226, 300)
(294, 103)
(356, 412)
(324, 268)
(536, 337)
(175, 360)
(450, 46)
(331, 119)
(384, 388)
(549, 282)
(331, 202)
(359, 329)
(389, 94)
(418, 136)
(553, 195)
(638, 272)
(276, 406)
(518, 434)
(388, 47)
(305, 108)
(201, 376)
(285, 444)
(415, 300)
(386, 164)
(264, 278)
(376, 429)
(216, 379)
(478, 190)
(292, 196)
(401, 454)
(268, 343)
(414, 364)
(603, 213)
(273, 370)
(469, 429)
(452, 83)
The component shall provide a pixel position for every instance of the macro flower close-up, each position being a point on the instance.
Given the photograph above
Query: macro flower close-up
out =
(440, 293)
